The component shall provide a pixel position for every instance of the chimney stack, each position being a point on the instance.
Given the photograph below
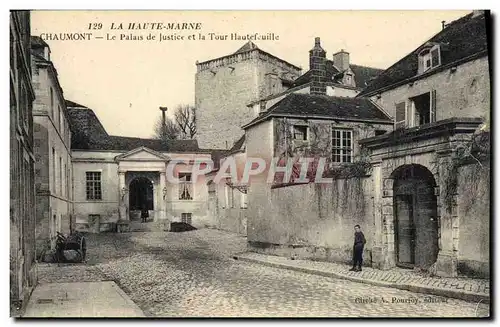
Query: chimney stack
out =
(341, 60)
(163, 121)
(317, 65)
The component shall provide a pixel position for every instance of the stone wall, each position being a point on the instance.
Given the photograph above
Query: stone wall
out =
(232, 214)
(221, 96)
(53, 167)
(340, 91)
(463, 93)
(474, 206)
(312, 221)
(320, 134)
(223, 90)
(107, 208)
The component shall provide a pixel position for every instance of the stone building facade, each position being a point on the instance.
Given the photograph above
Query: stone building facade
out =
(424, 166)
(121, 177)
(241, 97)
(312, 221)
(225, 86)
(439, 96)
(228, 201)
(340, 78)
(54, 181)
(22, 161)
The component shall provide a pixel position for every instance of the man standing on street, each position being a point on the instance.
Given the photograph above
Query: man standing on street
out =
(359, 244)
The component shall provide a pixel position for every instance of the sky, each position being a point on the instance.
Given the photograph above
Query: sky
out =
(126, 81)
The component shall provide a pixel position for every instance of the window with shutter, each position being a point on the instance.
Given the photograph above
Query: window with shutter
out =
(428, 58)
(435, 57)
(433, 106)
(423, 109)
(400, 115)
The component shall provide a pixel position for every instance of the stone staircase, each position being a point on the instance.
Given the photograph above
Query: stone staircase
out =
(150, 226)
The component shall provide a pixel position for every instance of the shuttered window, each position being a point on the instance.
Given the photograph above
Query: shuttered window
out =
(435, 57)
(400, 115)
(433, 106)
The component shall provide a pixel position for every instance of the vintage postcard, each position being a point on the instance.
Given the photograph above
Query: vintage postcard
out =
(239, 164)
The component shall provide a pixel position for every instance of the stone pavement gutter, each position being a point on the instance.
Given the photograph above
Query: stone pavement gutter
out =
(467, 289)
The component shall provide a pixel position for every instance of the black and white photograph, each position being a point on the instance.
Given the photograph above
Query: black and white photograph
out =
(250, 164)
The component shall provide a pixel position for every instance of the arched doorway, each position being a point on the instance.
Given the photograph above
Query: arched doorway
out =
(141, 197)
(416, 225)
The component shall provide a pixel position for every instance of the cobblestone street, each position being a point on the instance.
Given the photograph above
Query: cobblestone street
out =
(193, 274)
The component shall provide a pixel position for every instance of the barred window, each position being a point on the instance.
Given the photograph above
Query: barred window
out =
(186, 217)
(185, 186)
(342, 145)
(94, 185)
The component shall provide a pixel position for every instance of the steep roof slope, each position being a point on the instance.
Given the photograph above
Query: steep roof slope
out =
(462, 38)
(307, 105)
(87, 133)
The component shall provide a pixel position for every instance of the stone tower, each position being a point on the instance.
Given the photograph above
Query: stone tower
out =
(225, 86)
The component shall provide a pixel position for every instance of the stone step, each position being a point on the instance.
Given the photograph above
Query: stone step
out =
(151, 226)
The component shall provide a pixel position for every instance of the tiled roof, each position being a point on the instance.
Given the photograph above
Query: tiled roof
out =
(87, 133)
(129, 143)
(37, 42)
(71, 104)
(86, 129)
(307, 105)
(247, 47)
(362, 74)
(462, 38)
(239, 144)
(217, 155)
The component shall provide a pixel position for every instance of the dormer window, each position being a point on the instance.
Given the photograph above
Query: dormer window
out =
(429, 57)
(348, 79)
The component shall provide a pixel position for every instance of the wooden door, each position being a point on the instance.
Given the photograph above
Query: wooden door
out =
(405, 230)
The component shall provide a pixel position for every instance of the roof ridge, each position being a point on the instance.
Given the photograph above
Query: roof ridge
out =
(364, 66)
(248, 46)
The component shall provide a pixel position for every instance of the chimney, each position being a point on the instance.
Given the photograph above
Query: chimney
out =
(341, 60)
(163, 121)
(317, 65)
